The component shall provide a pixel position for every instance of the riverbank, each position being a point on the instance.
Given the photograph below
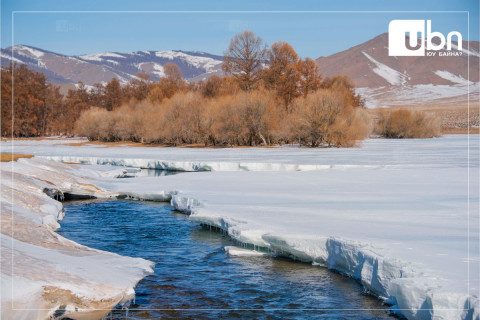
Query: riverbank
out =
(42, 272)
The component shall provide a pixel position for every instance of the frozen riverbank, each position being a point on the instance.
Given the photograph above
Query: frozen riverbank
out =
(42, 272)
(402, 233)
(399, 216)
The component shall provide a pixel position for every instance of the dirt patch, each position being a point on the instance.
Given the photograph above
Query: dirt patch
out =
(7, 157)
(100, 144)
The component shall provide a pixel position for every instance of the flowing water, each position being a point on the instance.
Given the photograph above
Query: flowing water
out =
(195, 279)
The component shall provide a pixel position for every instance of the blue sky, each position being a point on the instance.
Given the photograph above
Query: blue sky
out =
(81, 31)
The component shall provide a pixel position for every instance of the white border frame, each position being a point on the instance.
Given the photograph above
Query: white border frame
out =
(268, 12)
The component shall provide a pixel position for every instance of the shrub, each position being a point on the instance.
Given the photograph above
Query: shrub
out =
(181, 121)
(403, 123)
(323, 118)
(245, 118)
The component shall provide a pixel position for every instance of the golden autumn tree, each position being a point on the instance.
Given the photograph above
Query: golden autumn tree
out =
(167, 86)
(310, 78)
(113, 94)
(6, 95)
(282, 74)
(344, 86)
(25, 116)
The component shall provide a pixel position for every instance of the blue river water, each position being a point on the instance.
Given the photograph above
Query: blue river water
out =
(195, 279)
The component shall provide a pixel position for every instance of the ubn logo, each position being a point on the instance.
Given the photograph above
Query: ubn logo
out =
(398, 30)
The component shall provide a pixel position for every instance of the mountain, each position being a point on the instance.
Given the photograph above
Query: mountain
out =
(102, 67)
(381, 79)
(386, 81)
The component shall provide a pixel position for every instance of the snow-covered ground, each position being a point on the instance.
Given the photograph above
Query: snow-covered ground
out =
(401, 216)
(448, 151)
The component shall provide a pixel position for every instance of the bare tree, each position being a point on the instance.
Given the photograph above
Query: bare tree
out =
(244, 58)
(172, 72)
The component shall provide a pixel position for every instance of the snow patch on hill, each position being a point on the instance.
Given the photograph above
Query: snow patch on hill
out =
(6, 56)
(420, 94)
(393, 77)
(29, 51)
(101, 56)
(452, 77)
(158, 70)
(469, 52)
(113, 62)
(199, 62)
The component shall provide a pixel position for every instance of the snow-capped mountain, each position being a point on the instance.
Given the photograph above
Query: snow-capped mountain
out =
(102, 67)
(386, 80)
(381, 79)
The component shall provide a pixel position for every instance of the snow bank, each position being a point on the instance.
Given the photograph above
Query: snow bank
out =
(190, 166)
(43, 272)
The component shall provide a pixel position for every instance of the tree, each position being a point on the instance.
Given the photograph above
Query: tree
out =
(53, 108)
(310, 78)
(24, 117)
(168, 86)
(173, 73)
(282, 74)
(113, 94)
(343, 84)
(6, 94)
(76, 101)
(244, 58)
(138, 88)
(211, 87)
(324, 118)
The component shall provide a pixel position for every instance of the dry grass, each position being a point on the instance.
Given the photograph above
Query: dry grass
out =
(7, 157)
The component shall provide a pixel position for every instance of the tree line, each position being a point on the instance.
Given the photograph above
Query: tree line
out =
(268, 95)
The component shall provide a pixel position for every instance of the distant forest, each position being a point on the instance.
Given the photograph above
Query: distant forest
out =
(268, 96)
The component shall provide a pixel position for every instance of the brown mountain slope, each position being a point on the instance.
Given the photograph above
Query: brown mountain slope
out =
(407, 81)
(360, 63)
